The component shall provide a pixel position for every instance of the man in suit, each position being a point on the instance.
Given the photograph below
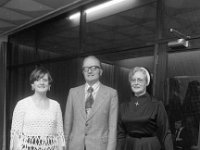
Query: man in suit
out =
(182, 136)
(91, 112)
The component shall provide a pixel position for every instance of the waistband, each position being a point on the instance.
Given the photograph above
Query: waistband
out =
(140, 135)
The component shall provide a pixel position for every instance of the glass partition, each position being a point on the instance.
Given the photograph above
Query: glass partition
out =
(183, 105)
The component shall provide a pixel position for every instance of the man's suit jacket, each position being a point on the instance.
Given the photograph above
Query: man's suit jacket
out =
(97, 131)
(183, 140)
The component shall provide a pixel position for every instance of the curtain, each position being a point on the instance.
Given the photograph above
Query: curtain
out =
(121, 83)
(107, 77)
(3, 61)
(20, 54)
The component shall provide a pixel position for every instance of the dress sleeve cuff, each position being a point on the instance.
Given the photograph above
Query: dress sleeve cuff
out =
(61, 139)
(15, 136)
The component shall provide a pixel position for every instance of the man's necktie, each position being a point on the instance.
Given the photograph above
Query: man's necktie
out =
(90, 100)
(176, 133)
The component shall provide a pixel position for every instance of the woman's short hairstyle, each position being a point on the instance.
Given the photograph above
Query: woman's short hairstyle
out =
(141, 69)
(38, 73)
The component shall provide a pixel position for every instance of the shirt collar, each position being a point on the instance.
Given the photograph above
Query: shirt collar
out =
(94, 86)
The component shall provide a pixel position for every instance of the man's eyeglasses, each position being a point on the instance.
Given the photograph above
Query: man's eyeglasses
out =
(91, 68)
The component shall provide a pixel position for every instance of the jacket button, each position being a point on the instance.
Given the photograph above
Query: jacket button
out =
(86, 124)
(86, 134)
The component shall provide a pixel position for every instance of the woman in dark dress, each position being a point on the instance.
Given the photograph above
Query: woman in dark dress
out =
(143, 122)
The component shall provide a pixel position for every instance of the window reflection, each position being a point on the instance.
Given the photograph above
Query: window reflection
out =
(184, 111)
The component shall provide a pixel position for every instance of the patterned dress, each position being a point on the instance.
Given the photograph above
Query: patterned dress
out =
(35, 128)
(143, 125)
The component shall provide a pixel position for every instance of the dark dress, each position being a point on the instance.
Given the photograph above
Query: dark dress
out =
(143, 126)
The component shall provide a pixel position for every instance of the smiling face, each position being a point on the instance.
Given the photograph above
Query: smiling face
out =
(138, 83)
(91, 70)
(41, 85)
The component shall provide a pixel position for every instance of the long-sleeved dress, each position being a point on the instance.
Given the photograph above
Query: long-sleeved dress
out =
(35, 128)
(143, 125)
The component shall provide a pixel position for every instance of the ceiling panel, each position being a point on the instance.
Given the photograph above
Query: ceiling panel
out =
(26, 12)
(26, 5)
(4, 24)
(55, 3)
(10, 15)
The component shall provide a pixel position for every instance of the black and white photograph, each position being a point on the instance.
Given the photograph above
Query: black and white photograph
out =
(100, 74)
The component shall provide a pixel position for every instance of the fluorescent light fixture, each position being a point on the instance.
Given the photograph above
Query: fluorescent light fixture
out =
(74, 16)
(104, 5)
(96, 8)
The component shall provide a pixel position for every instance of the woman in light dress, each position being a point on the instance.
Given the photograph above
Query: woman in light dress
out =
(37, 120)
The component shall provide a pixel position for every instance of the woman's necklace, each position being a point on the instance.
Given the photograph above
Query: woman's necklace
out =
(136, 104)
(138, 95)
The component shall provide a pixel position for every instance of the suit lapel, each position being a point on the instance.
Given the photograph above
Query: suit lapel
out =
(100, 98)
(81, 102)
